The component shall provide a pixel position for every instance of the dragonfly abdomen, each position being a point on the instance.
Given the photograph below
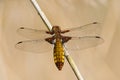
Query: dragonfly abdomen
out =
(58, 54)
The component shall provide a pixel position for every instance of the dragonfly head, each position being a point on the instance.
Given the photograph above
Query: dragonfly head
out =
(56, 29)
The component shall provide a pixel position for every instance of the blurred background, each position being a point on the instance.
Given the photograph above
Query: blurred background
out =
(97, 63)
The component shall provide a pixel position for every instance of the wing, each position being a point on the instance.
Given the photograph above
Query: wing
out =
(37, 46)
(77, 43)
(91, 29)
(32, 33)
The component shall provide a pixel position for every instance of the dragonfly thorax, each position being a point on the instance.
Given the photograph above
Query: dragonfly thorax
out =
(56, 32)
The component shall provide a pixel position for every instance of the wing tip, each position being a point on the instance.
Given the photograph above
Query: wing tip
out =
(95, 22)
(97, 37)
(19, 42)
(21, 28)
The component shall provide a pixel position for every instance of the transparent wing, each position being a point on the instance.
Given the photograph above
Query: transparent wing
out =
(38, 46)
(91, 29)
(77, 43)
(32, 33)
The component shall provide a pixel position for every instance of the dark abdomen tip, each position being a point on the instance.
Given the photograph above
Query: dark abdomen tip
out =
(59, 65)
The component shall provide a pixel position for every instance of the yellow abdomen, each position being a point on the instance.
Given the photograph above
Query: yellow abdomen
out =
(58, 54)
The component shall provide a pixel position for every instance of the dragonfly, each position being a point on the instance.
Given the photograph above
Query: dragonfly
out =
(78, 38)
